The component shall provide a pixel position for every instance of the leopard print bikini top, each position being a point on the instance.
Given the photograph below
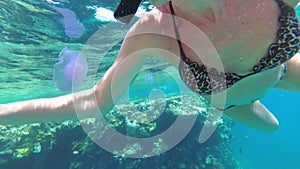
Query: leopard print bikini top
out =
(207, 82)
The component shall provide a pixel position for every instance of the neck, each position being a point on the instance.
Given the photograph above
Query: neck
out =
(200, 11)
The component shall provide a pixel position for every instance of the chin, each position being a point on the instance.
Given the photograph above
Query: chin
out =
(158, 2)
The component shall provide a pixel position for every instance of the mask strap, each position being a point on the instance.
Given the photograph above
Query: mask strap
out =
(126, 10)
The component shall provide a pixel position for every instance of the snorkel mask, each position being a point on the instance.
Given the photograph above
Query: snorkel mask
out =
(126, 10)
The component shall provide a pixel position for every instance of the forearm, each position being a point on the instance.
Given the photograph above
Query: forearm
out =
(88, 103)
(48, 109)
(84, 104)
(255, 116)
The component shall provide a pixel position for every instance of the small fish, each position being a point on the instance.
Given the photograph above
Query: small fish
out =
(241, 151)
(230, 137)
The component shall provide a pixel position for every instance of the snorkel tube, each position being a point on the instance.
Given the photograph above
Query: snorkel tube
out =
(126, 10)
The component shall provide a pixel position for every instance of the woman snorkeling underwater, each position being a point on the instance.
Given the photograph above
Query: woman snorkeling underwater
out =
(256, 40)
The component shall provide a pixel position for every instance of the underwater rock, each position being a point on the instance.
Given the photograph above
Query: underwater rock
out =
(70, 71)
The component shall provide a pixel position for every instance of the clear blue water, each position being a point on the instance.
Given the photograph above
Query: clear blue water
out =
(272, 151)
(278, 150)
(32, 35)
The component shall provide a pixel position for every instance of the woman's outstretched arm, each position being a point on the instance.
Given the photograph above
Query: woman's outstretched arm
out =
(45, 109)
(133, 53)
(87, 102)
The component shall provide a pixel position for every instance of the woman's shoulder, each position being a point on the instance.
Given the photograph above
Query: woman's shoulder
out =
(156, 21)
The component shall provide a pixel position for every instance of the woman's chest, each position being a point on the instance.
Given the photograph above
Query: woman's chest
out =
(241, 35)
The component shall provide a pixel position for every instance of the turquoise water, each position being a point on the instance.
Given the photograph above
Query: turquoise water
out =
(33, 34)
(278, 150)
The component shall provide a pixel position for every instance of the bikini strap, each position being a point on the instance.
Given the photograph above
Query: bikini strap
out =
(182, 54)
(285, 8)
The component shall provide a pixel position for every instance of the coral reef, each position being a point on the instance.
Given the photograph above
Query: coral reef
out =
(66, 145)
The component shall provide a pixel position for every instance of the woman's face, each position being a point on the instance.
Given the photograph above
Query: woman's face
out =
(158, 2)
